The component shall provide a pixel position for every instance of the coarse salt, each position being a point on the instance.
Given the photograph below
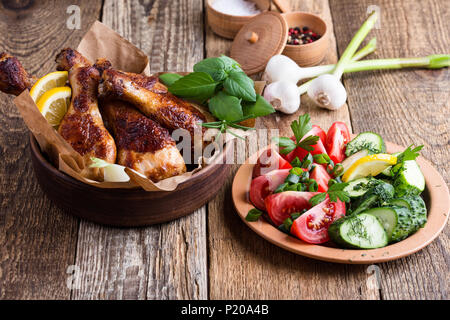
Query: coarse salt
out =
(236, 7)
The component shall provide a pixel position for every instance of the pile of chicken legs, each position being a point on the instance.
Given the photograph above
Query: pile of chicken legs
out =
(116, 116)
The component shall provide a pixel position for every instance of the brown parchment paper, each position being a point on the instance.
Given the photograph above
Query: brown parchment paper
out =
(103, 42)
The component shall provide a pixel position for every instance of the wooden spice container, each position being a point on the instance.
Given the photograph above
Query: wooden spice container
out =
(227, 25)
(312, 53)
(265, 35)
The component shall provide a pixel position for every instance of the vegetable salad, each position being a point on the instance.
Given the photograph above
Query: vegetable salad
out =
(324, 186)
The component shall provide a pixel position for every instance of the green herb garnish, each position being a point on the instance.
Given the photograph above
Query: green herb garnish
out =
(199, 86)
(296, 162)
(253, 215)
(169, 78)
(221, 84)
(321, 158)
(407, 155)
(335, 192)
(300, 128)
(287, 223)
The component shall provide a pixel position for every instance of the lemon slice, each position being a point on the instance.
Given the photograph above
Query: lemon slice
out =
(54, 104)
(47, 82)
(369, 166)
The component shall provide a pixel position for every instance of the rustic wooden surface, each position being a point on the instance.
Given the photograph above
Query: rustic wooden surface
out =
(211, 253)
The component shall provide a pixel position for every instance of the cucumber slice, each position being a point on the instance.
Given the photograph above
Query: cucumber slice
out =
(363, 231)
(358, 187)
(366, 140)
(410, 180)
(406, 224)
(399, 202)
(347, 163)
(379, 193)
(418, 208)
(388, 217)
(399, 222)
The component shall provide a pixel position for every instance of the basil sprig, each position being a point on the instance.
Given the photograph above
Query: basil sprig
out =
(221, 84)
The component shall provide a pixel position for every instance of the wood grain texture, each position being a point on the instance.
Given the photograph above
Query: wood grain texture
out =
(255, 268)
(37, 240)
(405, 107)
(167, 261)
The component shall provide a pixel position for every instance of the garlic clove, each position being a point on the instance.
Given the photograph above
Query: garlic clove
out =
(283, 96)
(327, 92)
(281, 68)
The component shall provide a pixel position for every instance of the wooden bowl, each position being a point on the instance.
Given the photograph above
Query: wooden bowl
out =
(128, 207)
(312, 53)
(436, 196)
(227, 25)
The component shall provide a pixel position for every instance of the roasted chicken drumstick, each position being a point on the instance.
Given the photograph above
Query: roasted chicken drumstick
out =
(160, 105)
(82, 126)
(142, 144)
(13, 77)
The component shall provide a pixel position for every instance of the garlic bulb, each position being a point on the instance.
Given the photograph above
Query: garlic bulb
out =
(328, 92)
(283, 96)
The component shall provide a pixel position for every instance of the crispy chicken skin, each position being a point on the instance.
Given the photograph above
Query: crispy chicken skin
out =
(13, 77)
(162, 106)
(142, 144)
(69, 58)
(82, 126)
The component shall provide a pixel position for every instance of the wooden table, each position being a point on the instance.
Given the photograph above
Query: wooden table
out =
(211, 254)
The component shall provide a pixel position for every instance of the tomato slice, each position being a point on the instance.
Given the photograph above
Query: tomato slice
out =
(320, 174)
(265, 185)
(312, 226)
(318, 148)
(281, 205)
(318, 131)
(337, 138)
(269, 160)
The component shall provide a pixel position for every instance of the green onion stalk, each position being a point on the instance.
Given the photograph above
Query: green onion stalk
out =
(435, 61)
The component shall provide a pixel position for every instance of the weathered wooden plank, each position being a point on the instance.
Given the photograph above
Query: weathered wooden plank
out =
(254, 268)
(405, 107)
(166, 261)
(37, 240)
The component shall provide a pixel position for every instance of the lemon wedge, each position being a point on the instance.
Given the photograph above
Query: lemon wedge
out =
(47, 82)
(54, 104)
(369, 166)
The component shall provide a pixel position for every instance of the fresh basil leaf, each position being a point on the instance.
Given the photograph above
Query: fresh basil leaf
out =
(259, 108)
(239, 85)
(196, 85)
(169, 78)
(225, 107)
(230, 64)
(215, 67)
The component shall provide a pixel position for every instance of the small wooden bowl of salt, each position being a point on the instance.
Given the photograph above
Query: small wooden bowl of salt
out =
(226, 17)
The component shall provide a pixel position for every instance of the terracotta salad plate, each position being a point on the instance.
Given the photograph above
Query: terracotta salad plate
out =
(436, 196)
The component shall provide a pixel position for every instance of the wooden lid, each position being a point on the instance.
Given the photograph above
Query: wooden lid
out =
(261, 38)
(282, 5)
